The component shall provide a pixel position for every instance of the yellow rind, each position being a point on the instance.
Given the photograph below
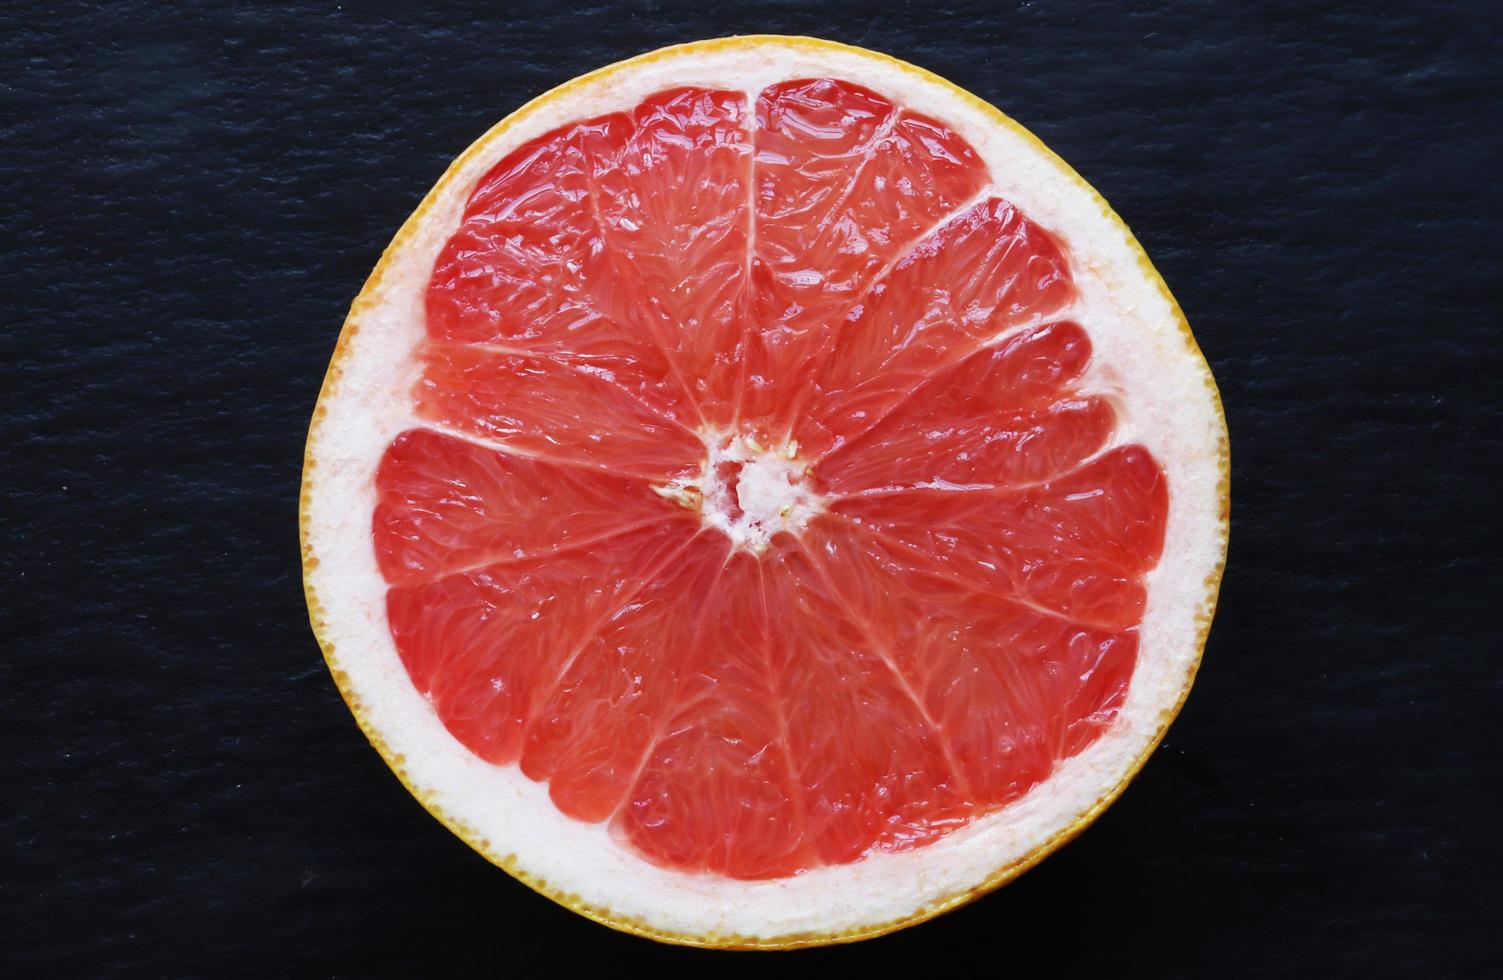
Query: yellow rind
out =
(507, 862)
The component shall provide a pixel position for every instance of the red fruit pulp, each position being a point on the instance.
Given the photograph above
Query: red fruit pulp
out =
(820, 282)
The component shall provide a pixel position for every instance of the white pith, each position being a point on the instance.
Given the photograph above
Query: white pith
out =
(769, 491)
(1142, 361)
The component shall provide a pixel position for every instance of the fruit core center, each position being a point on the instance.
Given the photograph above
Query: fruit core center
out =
(747, 491)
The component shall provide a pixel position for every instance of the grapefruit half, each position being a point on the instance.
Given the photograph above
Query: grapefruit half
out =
(763, 497)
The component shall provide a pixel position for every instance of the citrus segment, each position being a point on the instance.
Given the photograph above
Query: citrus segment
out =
(484, 646)
(1078, 546)
(884, 776)
(446, 505)
(717, 791)
(576, 413)
(985, 272)
(846, 181)
(1002, 417)
(674, 209)
(605, 707)
(620, 239)
(1012, 689)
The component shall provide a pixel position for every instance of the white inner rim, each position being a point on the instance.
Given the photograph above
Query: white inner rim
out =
(1142, 362)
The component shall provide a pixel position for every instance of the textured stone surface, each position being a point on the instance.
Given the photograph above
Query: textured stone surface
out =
(194, 195)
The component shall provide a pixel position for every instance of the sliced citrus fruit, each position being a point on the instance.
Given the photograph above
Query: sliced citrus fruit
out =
(763, 497)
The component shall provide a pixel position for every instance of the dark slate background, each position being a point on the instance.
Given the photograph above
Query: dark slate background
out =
(192, 195)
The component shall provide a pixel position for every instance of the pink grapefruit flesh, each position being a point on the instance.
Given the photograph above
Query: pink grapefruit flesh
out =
(755, 504)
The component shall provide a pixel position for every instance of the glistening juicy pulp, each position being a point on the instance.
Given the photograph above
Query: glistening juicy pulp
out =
(822, 273)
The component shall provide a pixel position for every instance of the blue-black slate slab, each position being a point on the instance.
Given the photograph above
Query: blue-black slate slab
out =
(194, 192)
